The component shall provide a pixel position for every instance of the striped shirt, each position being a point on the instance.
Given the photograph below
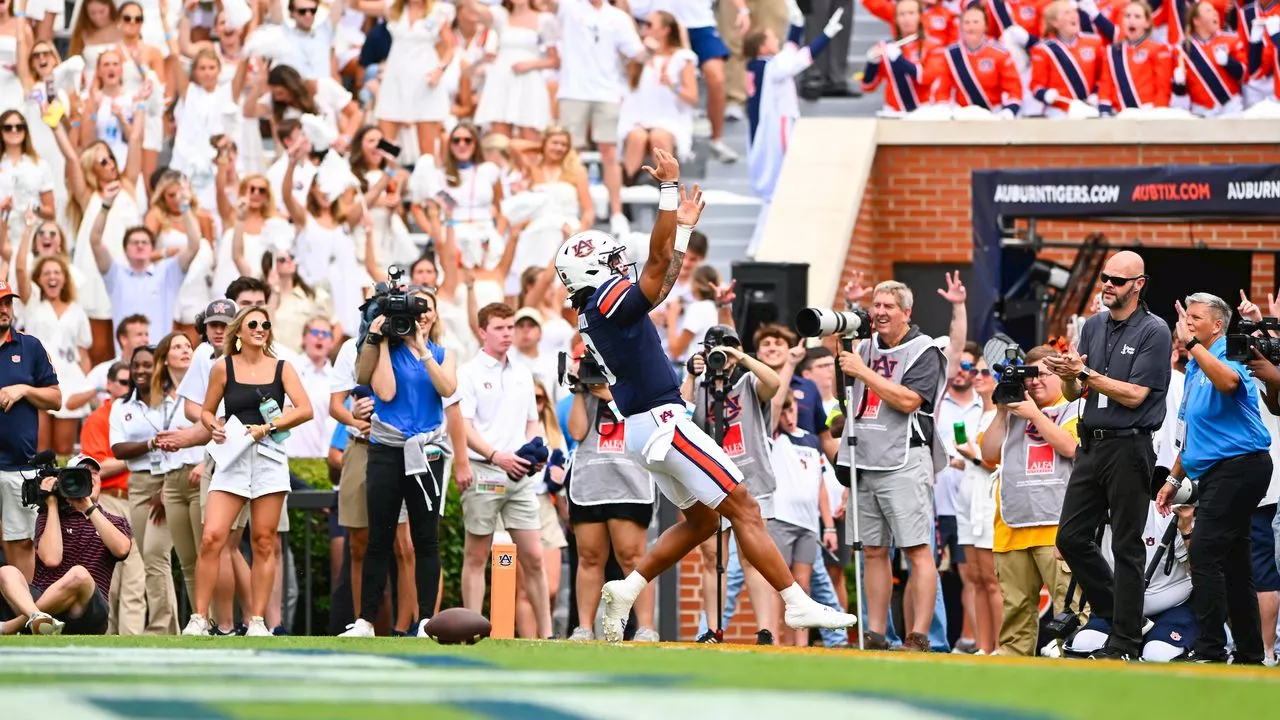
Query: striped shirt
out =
(81, 545)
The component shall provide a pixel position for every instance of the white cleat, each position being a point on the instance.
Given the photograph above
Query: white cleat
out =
(358, 629)
(582, 634)
(816, 615)
(44, 624)
(617, 606)
(257, 628)
(197, 625)
(646, 635)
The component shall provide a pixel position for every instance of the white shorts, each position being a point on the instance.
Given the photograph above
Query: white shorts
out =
(976, 509)
(260, 470)
(19, 521)
(693, 469)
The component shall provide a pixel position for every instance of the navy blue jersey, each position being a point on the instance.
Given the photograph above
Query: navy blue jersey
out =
(616, 328)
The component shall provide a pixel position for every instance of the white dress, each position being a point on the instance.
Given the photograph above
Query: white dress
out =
(91, 53)
(46, 146)
(392, 243)
(11, 95)
(326, 259)
(405, 95)
(545, 232)
(62, 337)
(277, 234)
(132, 77)
(23, 181)
(523, 99)
(199, 116)
(196, 291)
(654, 104)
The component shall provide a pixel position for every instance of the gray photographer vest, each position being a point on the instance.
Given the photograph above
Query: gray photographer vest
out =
(1033, 477)
(883, 432)
(602, 469)
(747, 438)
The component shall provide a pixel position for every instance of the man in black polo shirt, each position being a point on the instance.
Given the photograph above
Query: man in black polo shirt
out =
(1121, 369)
(27, 386)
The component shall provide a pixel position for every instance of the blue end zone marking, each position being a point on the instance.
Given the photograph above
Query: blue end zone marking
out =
(514, 710)
(159, 709)
(429, 661)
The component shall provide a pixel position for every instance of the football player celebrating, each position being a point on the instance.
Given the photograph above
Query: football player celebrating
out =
(687, 465)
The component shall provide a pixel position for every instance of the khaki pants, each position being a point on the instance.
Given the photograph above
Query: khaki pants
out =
(155, 545)
(182, 513)
(764, 14)
(1022, 573)
(124, 619)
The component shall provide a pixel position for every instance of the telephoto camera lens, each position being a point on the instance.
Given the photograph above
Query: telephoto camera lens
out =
(717, 359)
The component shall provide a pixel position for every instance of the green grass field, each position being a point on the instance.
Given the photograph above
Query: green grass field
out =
(319, 678)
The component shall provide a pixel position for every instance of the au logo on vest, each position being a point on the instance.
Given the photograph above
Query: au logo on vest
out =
(884, 366)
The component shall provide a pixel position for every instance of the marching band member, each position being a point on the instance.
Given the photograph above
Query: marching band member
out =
(1139, 70)
(1260, 24)
(1065, 65)
(907, 66)
(1104, 26)
(937, 17)
(979, 73)
(1210, 64)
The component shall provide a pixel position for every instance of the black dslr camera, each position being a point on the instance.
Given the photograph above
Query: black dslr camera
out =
(1012, 386)
(1241, 344)
(717, 337)
(589, 373)
(400, 308)
(73, 483)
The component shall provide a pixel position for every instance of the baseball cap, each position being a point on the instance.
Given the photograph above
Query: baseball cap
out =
(6, 291)
(528, 313)
(83, 459)
(222, 311)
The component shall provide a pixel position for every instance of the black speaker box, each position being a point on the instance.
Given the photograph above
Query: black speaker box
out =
(768, 292)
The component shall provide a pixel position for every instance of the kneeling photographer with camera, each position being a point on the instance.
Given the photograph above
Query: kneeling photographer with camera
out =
(77, 547)
(732, 393)
(1224, 447)
(1033, 437)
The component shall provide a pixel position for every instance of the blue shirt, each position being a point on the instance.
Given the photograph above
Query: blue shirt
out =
(616, 327)
(562, 413)
(416, 407)
(1219, 426)
(23, 361)
(812, 416)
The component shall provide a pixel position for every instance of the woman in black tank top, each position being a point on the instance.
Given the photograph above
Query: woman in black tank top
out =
(248, 377)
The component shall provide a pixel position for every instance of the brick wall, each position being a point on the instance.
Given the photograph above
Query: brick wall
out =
(917, 204)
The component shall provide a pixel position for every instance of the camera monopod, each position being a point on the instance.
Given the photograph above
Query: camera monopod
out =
(714, 385)
(844, 395)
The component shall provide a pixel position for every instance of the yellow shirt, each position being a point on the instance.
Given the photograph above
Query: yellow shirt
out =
(1008, 539)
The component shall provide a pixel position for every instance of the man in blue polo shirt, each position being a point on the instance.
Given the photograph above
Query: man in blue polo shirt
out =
(27, 386)
(1223, 444)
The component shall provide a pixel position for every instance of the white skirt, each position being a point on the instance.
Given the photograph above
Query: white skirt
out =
(260, 470)
(976, 509)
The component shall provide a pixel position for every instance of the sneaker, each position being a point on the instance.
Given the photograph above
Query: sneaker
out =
(816, 615)
(421, 628)
(583, 634)
(257, 628)
(735, 112)
(219, 632)
(44, 624)
(241, 630)
(619, 226)
(361, 628)
(1191, 656)
(764, 637)
(197, 625)
(914, 642)
(965, 646)
(709, 638)
(722, 152)
(279, 631)
(617, 606)
(1110, 653)
(646, 635)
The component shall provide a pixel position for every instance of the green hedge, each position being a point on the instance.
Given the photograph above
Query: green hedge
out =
(316, 474)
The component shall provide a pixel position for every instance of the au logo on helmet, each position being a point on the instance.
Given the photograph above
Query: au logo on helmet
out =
(584, 248)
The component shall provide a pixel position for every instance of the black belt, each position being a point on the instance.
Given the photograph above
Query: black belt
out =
(1097, 434)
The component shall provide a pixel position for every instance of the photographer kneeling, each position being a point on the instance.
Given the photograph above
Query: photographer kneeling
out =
(77, 547)
(1223, 444)
(1034, 439)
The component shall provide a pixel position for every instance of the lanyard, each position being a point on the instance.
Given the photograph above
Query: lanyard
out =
(146, 416)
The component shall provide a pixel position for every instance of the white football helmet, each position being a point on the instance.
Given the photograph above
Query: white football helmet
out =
(589, 258)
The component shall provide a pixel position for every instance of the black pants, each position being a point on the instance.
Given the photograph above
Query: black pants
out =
(386, 487)
(1221, 559)
(1113, 476)
(832, 66)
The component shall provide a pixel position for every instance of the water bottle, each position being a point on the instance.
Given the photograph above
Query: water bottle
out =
(270, 410)
(593, 174)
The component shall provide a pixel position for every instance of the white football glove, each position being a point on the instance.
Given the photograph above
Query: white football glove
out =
(1179, 75)
(1015, 35)
(1050, 96)
(875, 53)
(1220, 56)
(834, 26)
(1090, 7)
(1273, 24)
(892, 51)
(794, 16)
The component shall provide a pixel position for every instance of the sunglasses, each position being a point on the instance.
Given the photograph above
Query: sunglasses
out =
(305, 11)
(542, 398)
(1117, 281)
(463, 140)
(13, 127)
(41, 53)
(284, 258)
(120, 381)
(966, 367)
(315, 332)
(104, 161)
(47, 233)
(257, 190)
(253, 324)
(131, 19)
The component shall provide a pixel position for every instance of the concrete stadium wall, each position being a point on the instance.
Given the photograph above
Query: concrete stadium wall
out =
(862, 194)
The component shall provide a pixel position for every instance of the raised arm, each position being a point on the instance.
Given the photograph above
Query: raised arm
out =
(678, 211)
(297, 213)
(100, 252)
(955, 294)
(191, 227)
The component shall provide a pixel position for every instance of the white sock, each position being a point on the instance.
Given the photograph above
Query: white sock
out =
(794, 595)
(633, 584)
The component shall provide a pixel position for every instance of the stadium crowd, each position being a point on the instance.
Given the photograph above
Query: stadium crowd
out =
(199, 197)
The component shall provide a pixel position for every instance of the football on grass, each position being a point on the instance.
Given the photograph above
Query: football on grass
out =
(458, 626)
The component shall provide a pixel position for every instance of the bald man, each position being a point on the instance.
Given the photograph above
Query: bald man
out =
(1121, 368)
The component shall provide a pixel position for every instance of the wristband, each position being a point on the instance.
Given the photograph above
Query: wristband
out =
(1191, 343)
(92, 507)
(669, 196)
(489, 459)
(683, 233)
(828, 530)
(744, 11)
